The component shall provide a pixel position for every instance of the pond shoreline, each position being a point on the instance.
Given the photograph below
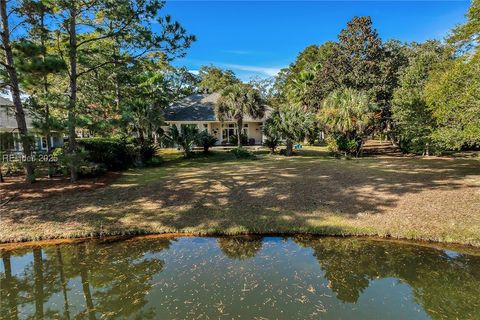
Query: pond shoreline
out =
(434, 200)
(457, 247)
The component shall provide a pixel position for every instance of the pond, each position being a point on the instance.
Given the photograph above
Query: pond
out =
(239, 277)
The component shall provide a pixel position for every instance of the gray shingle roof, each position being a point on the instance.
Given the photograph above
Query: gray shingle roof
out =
(5, 102)
(196, 107)
(7, 116)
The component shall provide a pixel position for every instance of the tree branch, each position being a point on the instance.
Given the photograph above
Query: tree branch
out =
(108, 35)
(95, 67)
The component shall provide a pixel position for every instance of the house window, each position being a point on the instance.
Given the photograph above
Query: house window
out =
(41, 143)
(44, 143)
(18, 144)
(7, 142)
(228, 131)
(245, 129)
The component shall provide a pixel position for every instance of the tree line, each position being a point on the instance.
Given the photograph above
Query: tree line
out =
(95, 65)
(100, 68)
(423, 96)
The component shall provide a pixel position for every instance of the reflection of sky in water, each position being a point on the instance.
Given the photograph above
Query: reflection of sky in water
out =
(451, 254)
(253, 277)
(19, 263)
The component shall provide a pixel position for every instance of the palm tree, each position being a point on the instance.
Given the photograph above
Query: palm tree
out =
(184, 138)
(348, 113)
(292, 123)
(143, 118)
(237, 101)
(298, 90)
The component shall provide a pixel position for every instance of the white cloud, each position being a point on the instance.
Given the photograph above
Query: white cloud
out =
(238, 52)
(269, 71)
(196, 72)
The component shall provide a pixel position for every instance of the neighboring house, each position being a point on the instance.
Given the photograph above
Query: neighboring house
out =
(199, 110)
(8, 123)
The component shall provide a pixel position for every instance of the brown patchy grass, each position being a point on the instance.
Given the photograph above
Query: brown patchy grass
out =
(15, 187)
(434, 199)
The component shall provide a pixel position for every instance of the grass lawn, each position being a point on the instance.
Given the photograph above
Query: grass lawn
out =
(430, 199)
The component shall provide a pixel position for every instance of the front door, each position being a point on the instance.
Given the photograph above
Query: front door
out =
(228, 131)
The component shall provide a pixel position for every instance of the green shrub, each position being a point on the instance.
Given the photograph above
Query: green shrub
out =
(234, 139)
(272, 143)
(66, 160)
(205, 140)
(332, 145)
(114, 153)
(184, 138)
(241, 153)
(347, 145)
(147, 151)
(342, 145)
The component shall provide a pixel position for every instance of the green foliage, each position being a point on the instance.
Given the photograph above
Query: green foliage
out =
(272, 143)
(241, 153)
(7, 141)
(332, 144)
(238, 101)
(294, 85)
(349, 145)
(146, 151)
(67, 160)
(243, 138)
(205, 140)
(289, 122)
(355, 61)
(466, 36)
(349, 116)
(266, 88)
(213, 79)
(414, 121)
(184, 138)
(453, 96)
(114, 153)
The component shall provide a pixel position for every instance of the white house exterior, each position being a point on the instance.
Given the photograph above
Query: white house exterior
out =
(8, 123)
(199, 109)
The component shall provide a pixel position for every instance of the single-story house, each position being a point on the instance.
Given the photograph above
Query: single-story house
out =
(8, 123)
(199, 110)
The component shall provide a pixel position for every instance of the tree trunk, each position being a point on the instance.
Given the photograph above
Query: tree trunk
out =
(289, 150)
(72, 103)
(38, 271)
(116, 63)
(9, 288)
(14, 86)
(85, 283)
(43, 41)
(358, 151)
(239, 131)
(141, 136)
(63, 283)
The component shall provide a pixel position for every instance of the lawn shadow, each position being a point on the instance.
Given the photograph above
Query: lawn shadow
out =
(268, 195)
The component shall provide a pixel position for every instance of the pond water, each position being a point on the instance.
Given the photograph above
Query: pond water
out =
(239, 277)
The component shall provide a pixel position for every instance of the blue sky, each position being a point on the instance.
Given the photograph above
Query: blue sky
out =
(258, 38)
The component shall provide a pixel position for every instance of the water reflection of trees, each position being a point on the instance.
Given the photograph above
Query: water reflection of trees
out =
(115, 279)
(241, 247)
(447, 287)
